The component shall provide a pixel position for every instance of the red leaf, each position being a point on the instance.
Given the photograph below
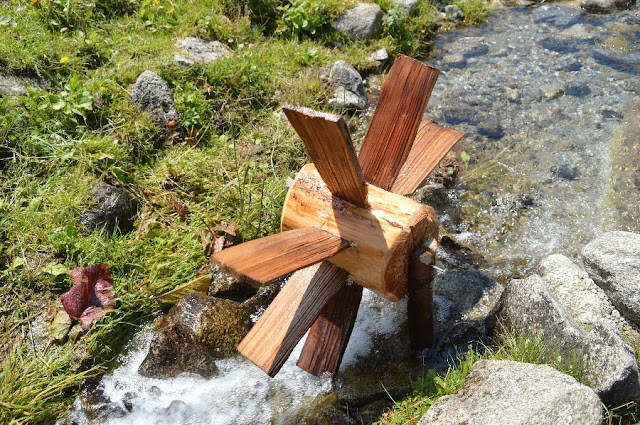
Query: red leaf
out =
(91, 288)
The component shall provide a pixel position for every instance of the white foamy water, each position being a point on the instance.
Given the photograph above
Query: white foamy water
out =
(241, 393)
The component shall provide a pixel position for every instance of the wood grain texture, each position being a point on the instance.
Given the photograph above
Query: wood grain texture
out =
(290, 315)
(420, 302)
(328, 337)
(432, 143)
(403, 97)
(381, 236)
(265, 259)
(328, 142)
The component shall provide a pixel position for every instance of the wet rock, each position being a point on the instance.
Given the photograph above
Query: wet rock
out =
(110, 207)
(629, 64)
(96, 405)
(361, 21)
(577, 90)
(560, 45)
(598, 6)
(560, 17)
(469, 46)
(407, 6)
(202, 51)
(613, 261)
(528, 306)
(465, 304)
(491, 128)
(371, 413)
(453, 13)
(459, 114)
(565, 168)
(387, 383)
(456, 60)
(224, 285)
(577, 293)
(152, 94)
(454, 254)
(196, 331)
(501, 392)
(551, 92)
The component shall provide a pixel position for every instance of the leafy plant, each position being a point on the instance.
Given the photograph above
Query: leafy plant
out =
(157, 14)
(302, 18)
(475, 12)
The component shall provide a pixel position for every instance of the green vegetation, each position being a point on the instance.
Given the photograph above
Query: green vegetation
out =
(225, 169)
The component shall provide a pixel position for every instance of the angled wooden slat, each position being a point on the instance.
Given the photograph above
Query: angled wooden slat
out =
(263, 260)
(328, 337)
(432, 143)
(393, 127)
(328, 141)
(287, 319)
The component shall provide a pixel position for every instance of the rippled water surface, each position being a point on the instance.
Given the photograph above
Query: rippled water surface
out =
(548, 97)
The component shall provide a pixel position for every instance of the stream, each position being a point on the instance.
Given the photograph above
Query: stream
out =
(548, 97)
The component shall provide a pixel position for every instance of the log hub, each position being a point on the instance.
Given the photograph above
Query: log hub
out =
(381, 236)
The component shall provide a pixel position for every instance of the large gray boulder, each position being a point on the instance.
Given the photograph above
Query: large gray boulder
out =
(613, 262)
(529, 307)
(195, 49)
(151, 93)
(110, 207)
(361, 21)
(507, 392)
(196, 331)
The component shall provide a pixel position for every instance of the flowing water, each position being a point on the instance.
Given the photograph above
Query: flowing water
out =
(548, 97)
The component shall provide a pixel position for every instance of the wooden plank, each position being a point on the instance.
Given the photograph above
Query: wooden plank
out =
(328, 337)
(287, 319)
(263, 260)
(432, 143)
(395, 121)
(328, 141)
(420, 302)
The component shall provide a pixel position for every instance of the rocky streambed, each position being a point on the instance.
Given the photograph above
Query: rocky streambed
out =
(548, 96)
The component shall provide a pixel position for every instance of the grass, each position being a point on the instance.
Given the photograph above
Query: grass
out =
(228, 166)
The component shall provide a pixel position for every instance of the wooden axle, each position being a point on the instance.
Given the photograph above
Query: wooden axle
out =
(382, 236)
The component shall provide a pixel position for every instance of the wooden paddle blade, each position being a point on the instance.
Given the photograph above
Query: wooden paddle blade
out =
(263, 260)
(328, 337)
(432, 143)
(403, 97)
(328, 141)
(287, 319)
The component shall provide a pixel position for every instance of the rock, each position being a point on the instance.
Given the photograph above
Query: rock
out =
(11, 85)
(507, 392)
(598, 6)
(565, 168)
(491, 128)
(344, 75)
(529, 307)
(110, 207)
(611, 365)
(96, 404)
(456, 60)
(361, 21)
(345, 99)
(469, 46)
(551, 92)
(407, 6)
(613, 262)
(182, 61)
(360, 389)
(202, 51)
(453, 13)
(381, 56)
(464, 308)
(577, 90)
(577, 293)
(196, 331)
(224, 285)
(152, 94)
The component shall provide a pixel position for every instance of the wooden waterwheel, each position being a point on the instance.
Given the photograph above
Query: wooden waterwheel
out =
(346, 224)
